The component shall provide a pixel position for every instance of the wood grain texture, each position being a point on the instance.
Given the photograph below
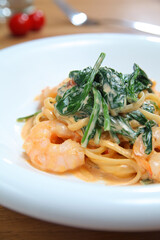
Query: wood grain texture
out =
(15, 226)
(57, 23)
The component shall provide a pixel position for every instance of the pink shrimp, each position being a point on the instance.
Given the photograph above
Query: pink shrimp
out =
(52, 146)
(151, 162)
(52, 92)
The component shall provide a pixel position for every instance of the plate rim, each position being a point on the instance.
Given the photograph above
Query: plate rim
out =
(143, 190)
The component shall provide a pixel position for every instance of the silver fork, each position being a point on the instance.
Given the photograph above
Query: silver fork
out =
(81, 18)
(75, 17)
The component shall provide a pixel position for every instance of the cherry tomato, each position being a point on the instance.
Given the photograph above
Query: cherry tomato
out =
(37, 20)
(19, 24)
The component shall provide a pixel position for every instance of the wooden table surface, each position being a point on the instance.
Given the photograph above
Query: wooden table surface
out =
(14, 226)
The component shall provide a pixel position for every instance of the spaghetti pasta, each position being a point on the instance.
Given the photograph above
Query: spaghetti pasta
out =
(100, 123)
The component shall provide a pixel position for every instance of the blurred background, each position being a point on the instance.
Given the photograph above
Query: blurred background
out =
(56, 22)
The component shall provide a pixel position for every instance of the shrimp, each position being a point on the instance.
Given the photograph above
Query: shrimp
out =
(151, 162)
(53, 147)
(52, 92)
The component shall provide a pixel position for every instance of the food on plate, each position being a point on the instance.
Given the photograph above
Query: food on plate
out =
(98, 124)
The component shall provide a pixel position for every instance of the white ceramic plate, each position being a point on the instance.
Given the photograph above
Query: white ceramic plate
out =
(25, 70)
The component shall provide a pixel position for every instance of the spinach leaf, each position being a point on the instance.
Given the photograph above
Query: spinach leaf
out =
(135, 83)
(146, 130)
(97, 135)
(106, 115)
(155, 105)
(70, 102)
(138, 116)
(93, 118)
(143, 82)
(73, 99)
(120, 125)
(100, 93)
(114, 137)
(86, 108)
(87, 105)
(23, 119)
(130, 91)
(148, 106)
(80, 77)
(147, 136)
(113, 88)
